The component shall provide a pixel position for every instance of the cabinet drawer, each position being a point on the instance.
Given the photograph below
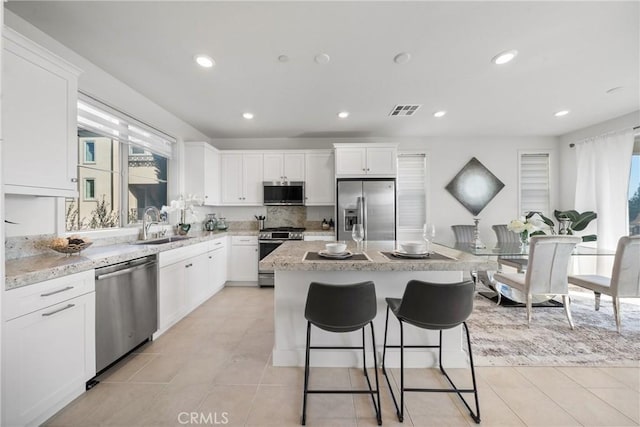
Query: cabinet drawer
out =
(27, 299)
(217, 243)
(244, 240)
(176, 255)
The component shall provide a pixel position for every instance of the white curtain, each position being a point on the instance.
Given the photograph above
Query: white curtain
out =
(603, 164)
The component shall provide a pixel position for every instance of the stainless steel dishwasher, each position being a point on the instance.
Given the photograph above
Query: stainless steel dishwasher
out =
(126, 308)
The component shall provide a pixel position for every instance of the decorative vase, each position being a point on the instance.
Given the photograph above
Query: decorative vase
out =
(564, 226)
(524, 238)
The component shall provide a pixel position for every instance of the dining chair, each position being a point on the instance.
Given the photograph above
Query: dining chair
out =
(506, 237)
(546, 273)
(464, 236)
(463, 233)
(625, 277)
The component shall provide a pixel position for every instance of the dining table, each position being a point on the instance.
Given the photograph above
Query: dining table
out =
(508, 295)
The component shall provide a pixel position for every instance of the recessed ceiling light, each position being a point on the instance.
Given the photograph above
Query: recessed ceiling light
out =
(504, 57)
(205, 61)
(561, 113)
(343, 114)
(402, 58)
(614, 89)
(322, 58)
(439, 114)
(248, 116)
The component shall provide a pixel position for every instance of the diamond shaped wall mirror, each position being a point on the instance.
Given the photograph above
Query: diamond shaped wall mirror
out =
(474, 186)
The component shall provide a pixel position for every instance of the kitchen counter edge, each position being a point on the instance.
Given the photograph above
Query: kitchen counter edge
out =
(34, 269)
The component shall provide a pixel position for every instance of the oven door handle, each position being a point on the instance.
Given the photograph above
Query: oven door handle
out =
(271, 241)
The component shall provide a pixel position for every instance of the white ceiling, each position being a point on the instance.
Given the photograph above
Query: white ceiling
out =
(570, 54)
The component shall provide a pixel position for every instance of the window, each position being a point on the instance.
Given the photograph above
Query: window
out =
(534, 183)
(412, 196)
(89, 151)
(89, 189)
(634, 190)
(123, 168)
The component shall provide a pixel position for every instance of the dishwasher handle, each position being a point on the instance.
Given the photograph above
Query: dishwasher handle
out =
(125, 271)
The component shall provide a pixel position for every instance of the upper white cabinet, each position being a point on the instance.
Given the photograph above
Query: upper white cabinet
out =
(242, 177)
(284, 166)
(39, 119)
(377, 160)
(202, 171)
(319, 178)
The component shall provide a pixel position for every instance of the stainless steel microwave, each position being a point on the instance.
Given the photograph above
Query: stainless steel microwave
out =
(289, 193)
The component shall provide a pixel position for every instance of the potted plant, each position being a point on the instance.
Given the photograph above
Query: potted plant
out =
(568, 222)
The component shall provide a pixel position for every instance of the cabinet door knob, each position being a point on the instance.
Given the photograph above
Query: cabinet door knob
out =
(74, 179)
(364, 169)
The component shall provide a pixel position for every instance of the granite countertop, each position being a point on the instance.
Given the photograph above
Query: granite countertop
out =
(29, 270)
(289, 257)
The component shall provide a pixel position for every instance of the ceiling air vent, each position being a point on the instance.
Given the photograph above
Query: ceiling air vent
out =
(404, 110)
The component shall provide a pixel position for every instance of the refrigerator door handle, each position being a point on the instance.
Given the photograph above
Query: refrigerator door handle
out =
(364, 217)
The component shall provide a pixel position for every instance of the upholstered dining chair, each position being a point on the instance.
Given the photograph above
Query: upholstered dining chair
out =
(463, 233)
(625, 277)
(506, 237)
(547, 271)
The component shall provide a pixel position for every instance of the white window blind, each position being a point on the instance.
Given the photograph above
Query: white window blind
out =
(106, 121)
(412, 196)
(534, 183)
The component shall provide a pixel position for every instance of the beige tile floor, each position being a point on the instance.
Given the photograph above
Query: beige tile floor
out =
(216, 365)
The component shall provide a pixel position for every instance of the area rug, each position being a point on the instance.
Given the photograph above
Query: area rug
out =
(500, 336)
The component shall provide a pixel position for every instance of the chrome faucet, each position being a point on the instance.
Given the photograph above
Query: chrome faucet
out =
(145, 224)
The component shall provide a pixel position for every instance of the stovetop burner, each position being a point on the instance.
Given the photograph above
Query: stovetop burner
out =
(290, 229)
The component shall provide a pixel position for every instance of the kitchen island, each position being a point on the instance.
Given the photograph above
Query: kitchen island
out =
(293, 274)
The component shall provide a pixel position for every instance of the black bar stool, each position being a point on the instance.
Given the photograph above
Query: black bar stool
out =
(341, 308)
(435, 306)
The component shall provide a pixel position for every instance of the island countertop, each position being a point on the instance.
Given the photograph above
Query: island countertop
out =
(290, 257)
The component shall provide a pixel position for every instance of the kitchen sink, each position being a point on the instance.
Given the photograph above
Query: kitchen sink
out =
(162, 241)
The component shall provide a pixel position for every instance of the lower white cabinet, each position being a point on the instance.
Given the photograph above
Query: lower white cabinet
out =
(243, 260)
(188, 276)
(217, 265)
(171, 296)
(49, 353)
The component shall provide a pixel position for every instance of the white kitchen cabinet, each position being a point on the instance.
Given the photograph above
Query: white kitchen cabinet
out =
(241, 175)
(171, 296)
(243, 259)
(39, 120)
(49, 350)
(186, 279)
(319, 179)
(217, 264)
(197, 281)
(376, 160)
(202, 171)
(284, 167)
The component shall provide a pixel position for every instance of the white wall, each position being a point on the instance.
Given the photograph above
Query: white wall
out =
(568, 154)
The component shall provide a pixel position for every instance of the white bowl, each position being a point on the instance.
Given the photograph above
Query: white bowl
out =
(336, 247)
(413, 247)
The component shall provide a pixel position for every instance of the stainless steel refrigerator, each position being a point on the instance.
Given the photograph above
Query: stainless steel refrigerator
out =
(371, 202)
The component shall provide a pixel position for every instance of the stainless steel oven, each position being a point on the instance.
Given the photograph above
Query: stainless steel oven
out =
(268, 241)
